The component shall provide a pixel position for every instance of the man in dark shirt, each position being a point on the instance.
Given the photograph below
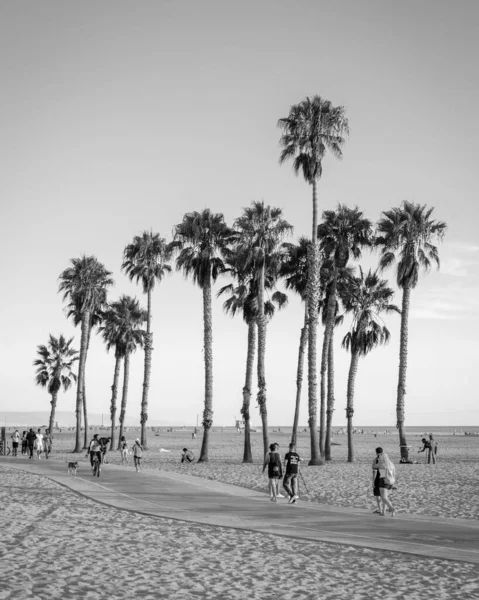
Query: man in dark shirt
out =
(426, 447)
(31, 437)
(291, 468)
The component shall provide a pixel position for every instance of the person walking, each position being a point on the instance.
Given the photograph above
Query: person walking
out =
(275, 471)
(432, 450)
(290, 482)
(124, 450)
(47, 443)
(24, 443)
(31, 438)
(384, 476)
(15, 442)
(137, 454)
(39, 443)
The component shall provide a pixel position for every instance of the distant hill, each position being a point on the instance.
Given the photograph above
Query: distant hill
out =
(40, 418)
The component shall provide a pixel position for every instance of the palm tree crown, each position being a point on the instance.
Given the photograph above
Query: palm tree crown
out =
(122, 325)
(55, 363)
(405, 234)
(312, 127)
(146, 259)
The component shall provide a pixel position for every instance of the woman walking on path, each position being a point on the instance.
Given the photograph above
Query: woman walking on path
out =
(124, 450)
(24, 443)
(47, 443)
(275, 471)
(384, 476)
(39, 443)
(137, 454)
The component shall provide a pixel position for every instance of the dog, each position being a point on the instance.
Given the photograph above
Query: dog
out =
(72, 468)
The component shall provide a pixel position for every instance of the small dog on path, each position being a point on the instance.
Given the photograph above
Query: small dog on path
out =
(72, 468)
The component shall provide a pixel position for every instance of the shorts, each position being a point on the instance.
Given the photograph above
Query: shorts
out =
(137, 459)
(380, 483)
(15, 444)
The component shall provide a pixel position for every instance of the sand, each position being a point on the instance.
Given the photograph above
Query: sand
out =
(56, 544)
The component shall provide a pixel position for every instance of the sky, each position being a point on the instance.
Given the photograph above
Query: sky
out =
(119, 117)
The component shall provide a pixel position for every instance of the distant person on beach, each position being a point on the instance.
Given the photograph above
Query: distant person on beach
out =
(15, 442)
(47, 443)
(187, 456)
(137, 454)
(94, 449)
(124, 450)
(31, 438)
(24, 443)
(434, 445)
(275, 471)
(384, 476)
(427, 447)
(39, 443)
(290, 482)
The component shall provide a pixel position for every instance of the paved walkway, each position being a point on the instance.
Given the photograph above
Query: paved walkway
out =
(188, 498)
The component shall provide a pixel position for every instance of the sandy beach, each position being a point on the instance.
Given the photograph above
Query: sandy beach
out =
(56, 544)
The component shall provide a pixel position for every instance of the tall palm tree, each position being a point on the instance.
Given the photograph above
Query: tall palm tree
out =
(203, 241)
(243, 298)
(313, 127)
(54, 369)
(342, 234)
(365, 297)
(85, 284)
(73, 311)
(294, 270)
(405, 235)
(129, 321)
(147, 259)
(261, 230)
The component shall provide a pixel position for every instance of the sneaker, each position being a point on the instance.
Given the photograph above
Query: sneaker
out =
(279, 496)
(291, 500)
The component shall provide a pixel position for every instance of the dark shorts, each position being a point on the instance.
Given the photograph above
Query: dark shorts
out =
(380, 483)
(15, 444)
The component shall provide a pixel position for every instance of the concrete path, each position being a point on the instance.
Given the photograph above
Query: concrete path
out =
(188, 498)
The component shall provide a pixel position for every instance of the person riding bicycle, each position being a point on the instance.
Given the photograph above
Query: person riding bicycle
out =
(95, 449)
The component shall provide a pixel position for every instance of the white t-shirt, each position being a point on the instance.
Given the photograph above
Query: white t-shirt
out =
(39, 440)
(16, 437)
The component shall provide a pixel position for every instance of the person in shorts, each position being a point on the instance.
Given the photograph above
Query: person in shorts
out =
(187, 456)
(94, 449)
(291, 467)
(15, 442)
(39, 443)
(137, 454)
(47, 443)
(124, 450)
(275, 470)
(381, 464)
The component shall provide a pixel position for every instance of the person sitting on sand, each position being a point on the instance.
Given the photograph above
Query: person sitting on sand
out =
(137, 454)
(187, 456)
(290, 482)
(275, 470)
(383, 469)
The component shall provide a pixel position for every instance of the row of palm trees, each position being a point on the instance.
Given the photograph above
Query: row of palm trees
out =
(254, 254)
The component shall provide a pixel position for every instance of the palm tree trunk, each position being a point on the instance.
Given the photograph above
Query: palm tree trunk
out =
(328, 332)
(208, 354)
(261, 397)
(330, 409)
(85, 411)
(85, 326)
(114, 395)
(247, 454)
(313, 301)
(406, 296)
(303, 339)
(146, 376)
(353, 367)
(53, 402)
(124, 398)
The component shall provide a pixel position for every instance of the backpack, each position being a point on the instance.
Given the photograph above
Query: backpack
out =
(390, 476)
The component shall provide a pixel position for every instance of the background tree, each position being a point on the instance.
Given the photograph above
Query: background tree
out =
(261, 230)
(147, 259)
(54, 369)
(405, 236)
(313, 127)
(243, 297)
(85, 284)
(342, 234)
(203, 241)
(365, 297)
(130, 320)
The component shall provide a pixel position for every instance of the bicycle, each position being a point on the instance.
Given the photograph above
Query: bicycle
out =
(7, 447)
(96, 466)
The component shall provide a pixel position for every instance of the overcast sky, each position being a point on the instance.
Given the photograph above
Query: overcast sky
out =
(118, 116)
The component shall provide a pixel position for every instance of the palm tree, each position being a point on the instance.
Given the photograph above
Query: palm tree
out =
(129, 321)
(147, 259)
(244, 298)
(406, 235)
(85, 284)
(342, 234)
(261, 230)
(73, 311)
(365, 297)
(312, 127)
(294, 270)
(203, 241)
(54, 369)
